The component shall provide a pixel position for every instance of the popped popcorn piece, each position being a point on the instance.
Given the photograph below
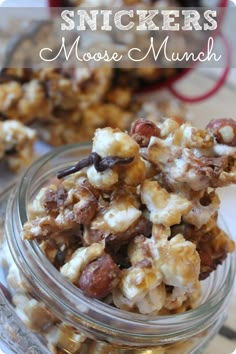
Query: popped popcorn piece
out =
(138, 250)
(176, 298)
(134, 173)
(33, 103)
(10, 93)
(168, 127)
(121, 302)
(15, 279)
(160, 232)
(202, 210)
(23, 102)
(102, 180)
(228, 176)
(16, 144)
(50, 250)
(37, 207)
(120, 217)
(191, 137)
(160, 151)
(64, 337)
(111, 142)
(153, 302)
(6, 257)
(140, 288)
(141, 228)
(40, 227)
(213, 248)
(80, 258)
(141, 285)
(179, 262)
(137, 281)
(165, 208)
(61, 208)
(32, 312)
(224, 150)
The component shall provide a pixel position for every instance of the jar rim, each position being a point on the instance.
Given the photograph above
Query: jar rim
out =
(59, 284)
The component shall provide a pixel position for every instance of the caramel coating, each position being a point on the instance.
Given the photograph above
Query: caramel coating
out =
(141, 235)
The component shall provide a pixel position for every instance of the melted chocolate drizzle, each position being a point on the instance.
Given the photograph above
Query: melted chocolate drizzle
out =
(100, 164)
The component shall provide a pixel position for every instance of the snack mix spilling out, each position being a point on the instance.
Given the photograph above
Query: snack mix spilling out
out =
(67, 106)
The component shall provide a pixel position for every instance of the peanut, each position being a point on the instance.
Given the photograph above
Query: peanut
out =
(224, 131)
(142, 130)
(99, 277)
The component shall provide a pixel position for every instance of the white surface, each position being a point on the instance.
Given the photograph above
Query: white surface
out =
(228, 208)
(23, 3)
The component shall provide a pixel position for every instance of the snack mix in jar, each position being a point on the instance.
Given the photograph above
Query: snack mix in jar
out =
(134, 224)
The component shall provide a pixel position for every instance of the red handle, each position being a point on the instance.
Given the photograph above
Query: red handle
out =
(55, 3)
(223, 4)
(218, 84)
(58, 3)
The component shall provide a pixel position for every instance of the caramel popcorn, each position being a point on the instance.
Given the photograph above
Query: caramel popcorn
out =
(146, 240)
(143, 247)
(35, 314)
(79, 259)
(64, 336)
(179, 262)
(165, 208)
(67, 105)
(16, 144)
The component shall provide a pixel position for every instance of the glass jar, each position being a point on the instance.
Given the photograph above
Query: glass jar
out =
(105, 329)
